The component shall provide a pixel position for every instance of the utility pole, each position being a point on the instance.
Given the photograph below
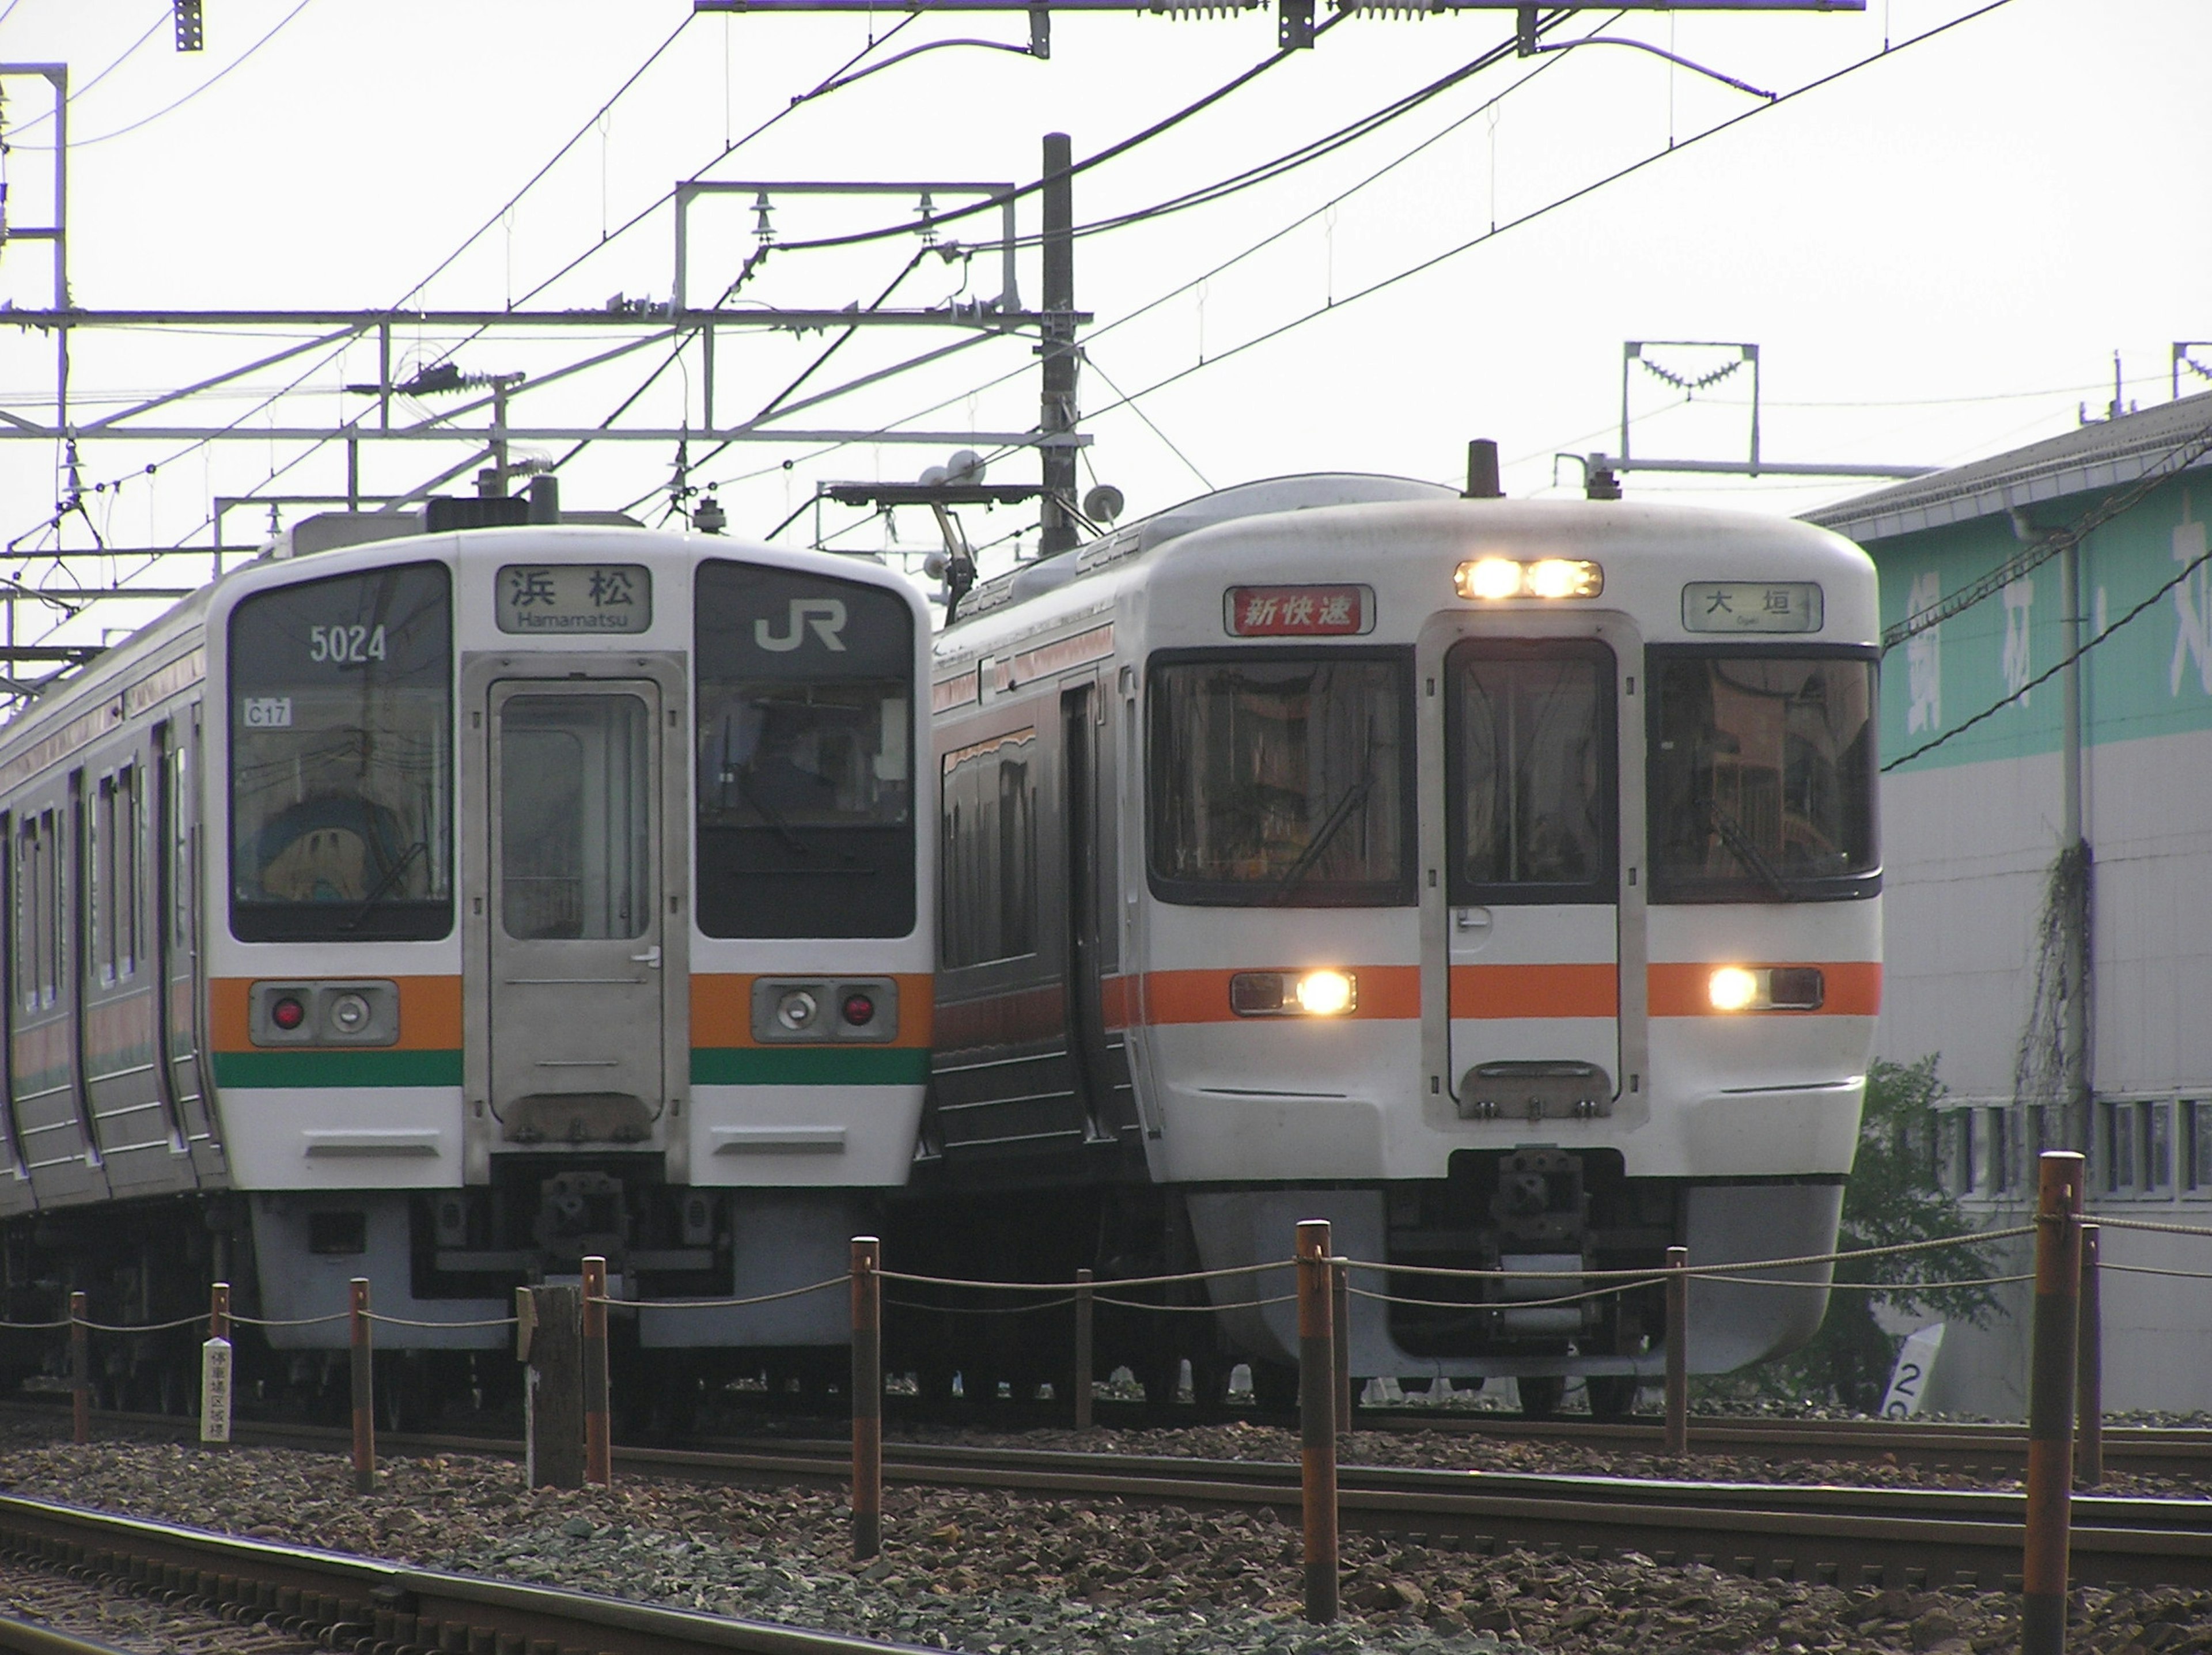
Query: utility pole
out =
(1057, 406)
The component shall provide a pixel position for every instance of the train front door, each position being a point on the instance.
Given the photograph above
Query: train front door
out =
(1532, 871)
(576, 949)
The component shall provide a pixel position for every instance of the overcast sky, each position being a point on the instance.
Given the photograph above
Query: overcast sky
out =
(1937, 254)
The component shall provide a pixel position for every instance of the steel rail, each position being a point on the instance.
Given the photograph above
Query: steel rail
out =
(343, 1601)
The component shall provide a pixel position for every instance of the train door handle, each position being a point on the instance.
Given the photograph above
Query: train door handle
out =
(651, 957)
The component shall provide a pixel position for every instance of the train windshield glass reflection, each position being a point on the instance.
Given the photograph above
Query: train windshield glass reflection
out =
(1762, 776)
(805, 762)
(1282, 778)
(341, 759)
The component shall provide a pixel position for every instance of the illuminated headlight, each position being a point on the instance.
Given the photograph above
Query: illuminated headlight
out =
(1767, 988)
(1496, 578)
(1324, 992)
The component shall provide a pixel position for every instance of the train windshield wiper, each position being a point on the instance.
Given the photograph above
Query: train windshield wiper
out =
(1343, 811)
(1744, 849)
(385, 886)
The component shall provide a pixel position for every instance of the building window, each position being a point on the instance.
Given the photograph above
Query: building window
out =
(2156, 1126)
(2003, 1145)
(2197, 1146)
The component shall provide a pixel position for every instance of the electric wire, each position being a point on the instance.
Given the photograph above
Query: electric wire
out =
(214, 79)
(2050, 672)
(129, 52)
(1569, 198)
(1176, 292)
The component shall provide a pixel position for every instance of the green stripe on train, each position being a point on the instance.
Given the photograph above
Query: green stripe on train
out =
(338, 1069)
(809, 1066)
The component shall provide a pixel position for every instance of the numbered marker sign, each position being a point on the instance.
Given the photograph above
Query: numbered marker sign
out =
(1908, 1380)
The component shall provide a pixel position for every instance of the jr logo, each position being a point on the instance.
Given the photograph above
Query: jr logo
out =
(824, 617)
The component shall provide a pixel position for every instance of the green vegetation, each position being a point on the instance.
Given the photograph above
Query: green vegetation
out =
(1893, 1197)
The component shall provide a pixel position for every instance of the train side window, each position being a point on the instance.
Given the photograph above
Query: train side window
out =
(341, 759)
(805, 755)
(988, 849)
(1280, 777)
(24, 921)
(1529, 771)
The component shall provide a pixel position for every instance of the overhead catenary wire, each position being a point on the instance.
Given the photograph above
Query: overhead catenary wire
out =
(239, 62)
(2052, 671)
(114, 64)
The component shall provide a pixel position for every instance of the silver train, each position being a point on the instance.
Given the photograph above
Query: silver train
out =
(442, 907)
(1496, 879)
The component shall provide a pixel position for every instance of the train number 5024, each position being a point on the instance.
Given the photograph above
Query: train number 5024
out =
(345, 646)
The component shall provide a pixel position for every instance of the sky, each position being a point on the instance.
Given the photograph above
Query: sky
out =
(1938, 246)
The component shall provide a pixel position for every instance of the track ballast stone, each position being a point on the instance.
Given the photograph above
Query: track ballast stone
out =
(997, 1574)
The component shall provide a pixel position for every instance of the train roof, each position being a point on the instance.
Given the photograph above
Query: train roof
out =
(1404, 505)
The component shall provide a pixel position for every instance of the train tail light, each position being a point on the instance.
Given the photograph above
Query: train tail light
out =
(1323, 991)
(1767, 988)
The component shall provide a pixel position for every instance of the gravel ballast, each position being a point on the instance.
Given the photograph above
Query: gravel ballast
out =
(994, 1574)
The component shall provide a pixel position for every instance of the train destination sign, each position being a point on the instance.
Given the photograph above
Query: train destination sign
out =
(1298, 611)
(550, 598)
(1751, 606)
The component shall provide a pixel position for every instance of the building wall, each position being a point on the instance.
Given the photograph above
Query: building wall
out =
(1971, 831)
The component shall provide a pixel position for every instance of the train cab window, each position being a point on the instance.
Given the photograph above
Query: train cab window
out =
(1761, 774)
(1529, 771)
(341, 759)
(1282, 777)
(805, 763)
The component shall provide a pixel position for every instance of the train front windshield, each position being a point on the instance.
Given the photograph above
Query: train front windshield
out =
(342, 760)
(1281, 777)
(805, 762)
(1762, 776)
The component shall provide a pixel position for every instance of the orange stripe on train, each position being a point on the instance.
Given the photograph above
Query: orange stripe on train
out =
(429, 1012)
(1850, 987)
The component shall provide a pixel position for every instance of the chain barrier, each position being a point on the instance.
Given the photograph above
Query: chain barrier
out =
(2153, 1229)
(822, 1285)
(149, 1327)
(1069, 1287)
(293, 1322)
(2153, 1270)
(1192, 1310)
(402, 1322)
(983, 1310)
(37, 1327)
(1649, 1280)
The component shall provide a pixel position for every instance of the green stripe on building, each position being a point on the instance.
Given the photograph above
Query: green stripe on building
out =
(275, 1069)
(809, 1066)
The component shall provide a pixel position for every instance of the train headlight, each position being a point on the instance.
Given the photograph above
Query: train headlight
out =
(795, 1010)
(1733, 988)
(349, 1013)
(1323, 992)
(1767, 988)
(1494, 578)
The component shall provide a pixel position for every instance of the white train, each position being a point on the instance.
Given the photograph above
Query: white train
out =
(1497, 880)
(446, 908)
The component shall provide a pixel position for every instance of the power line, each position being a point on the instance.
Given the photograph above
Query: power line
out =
(1154, 303)
(1992, 711)
(2180, 457)
(1558, 202)
(151, 29)
(235, 63)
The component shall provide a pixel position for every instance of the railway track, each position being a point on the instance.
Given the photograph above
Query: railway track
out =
(1910, 1538)
(349, 1603)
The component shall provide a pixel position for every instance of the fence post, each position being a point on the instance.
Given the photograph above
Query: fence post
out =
(215, 1369)
(550, 1339)
(364, 1397)
(2089, 1373)
(867, 1398)
(1317, 1418)
(1677, 1442)
(2044, 1563)
(1340, 1323)
(1085, 1356)
(598, 1444)
(80, 1369)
